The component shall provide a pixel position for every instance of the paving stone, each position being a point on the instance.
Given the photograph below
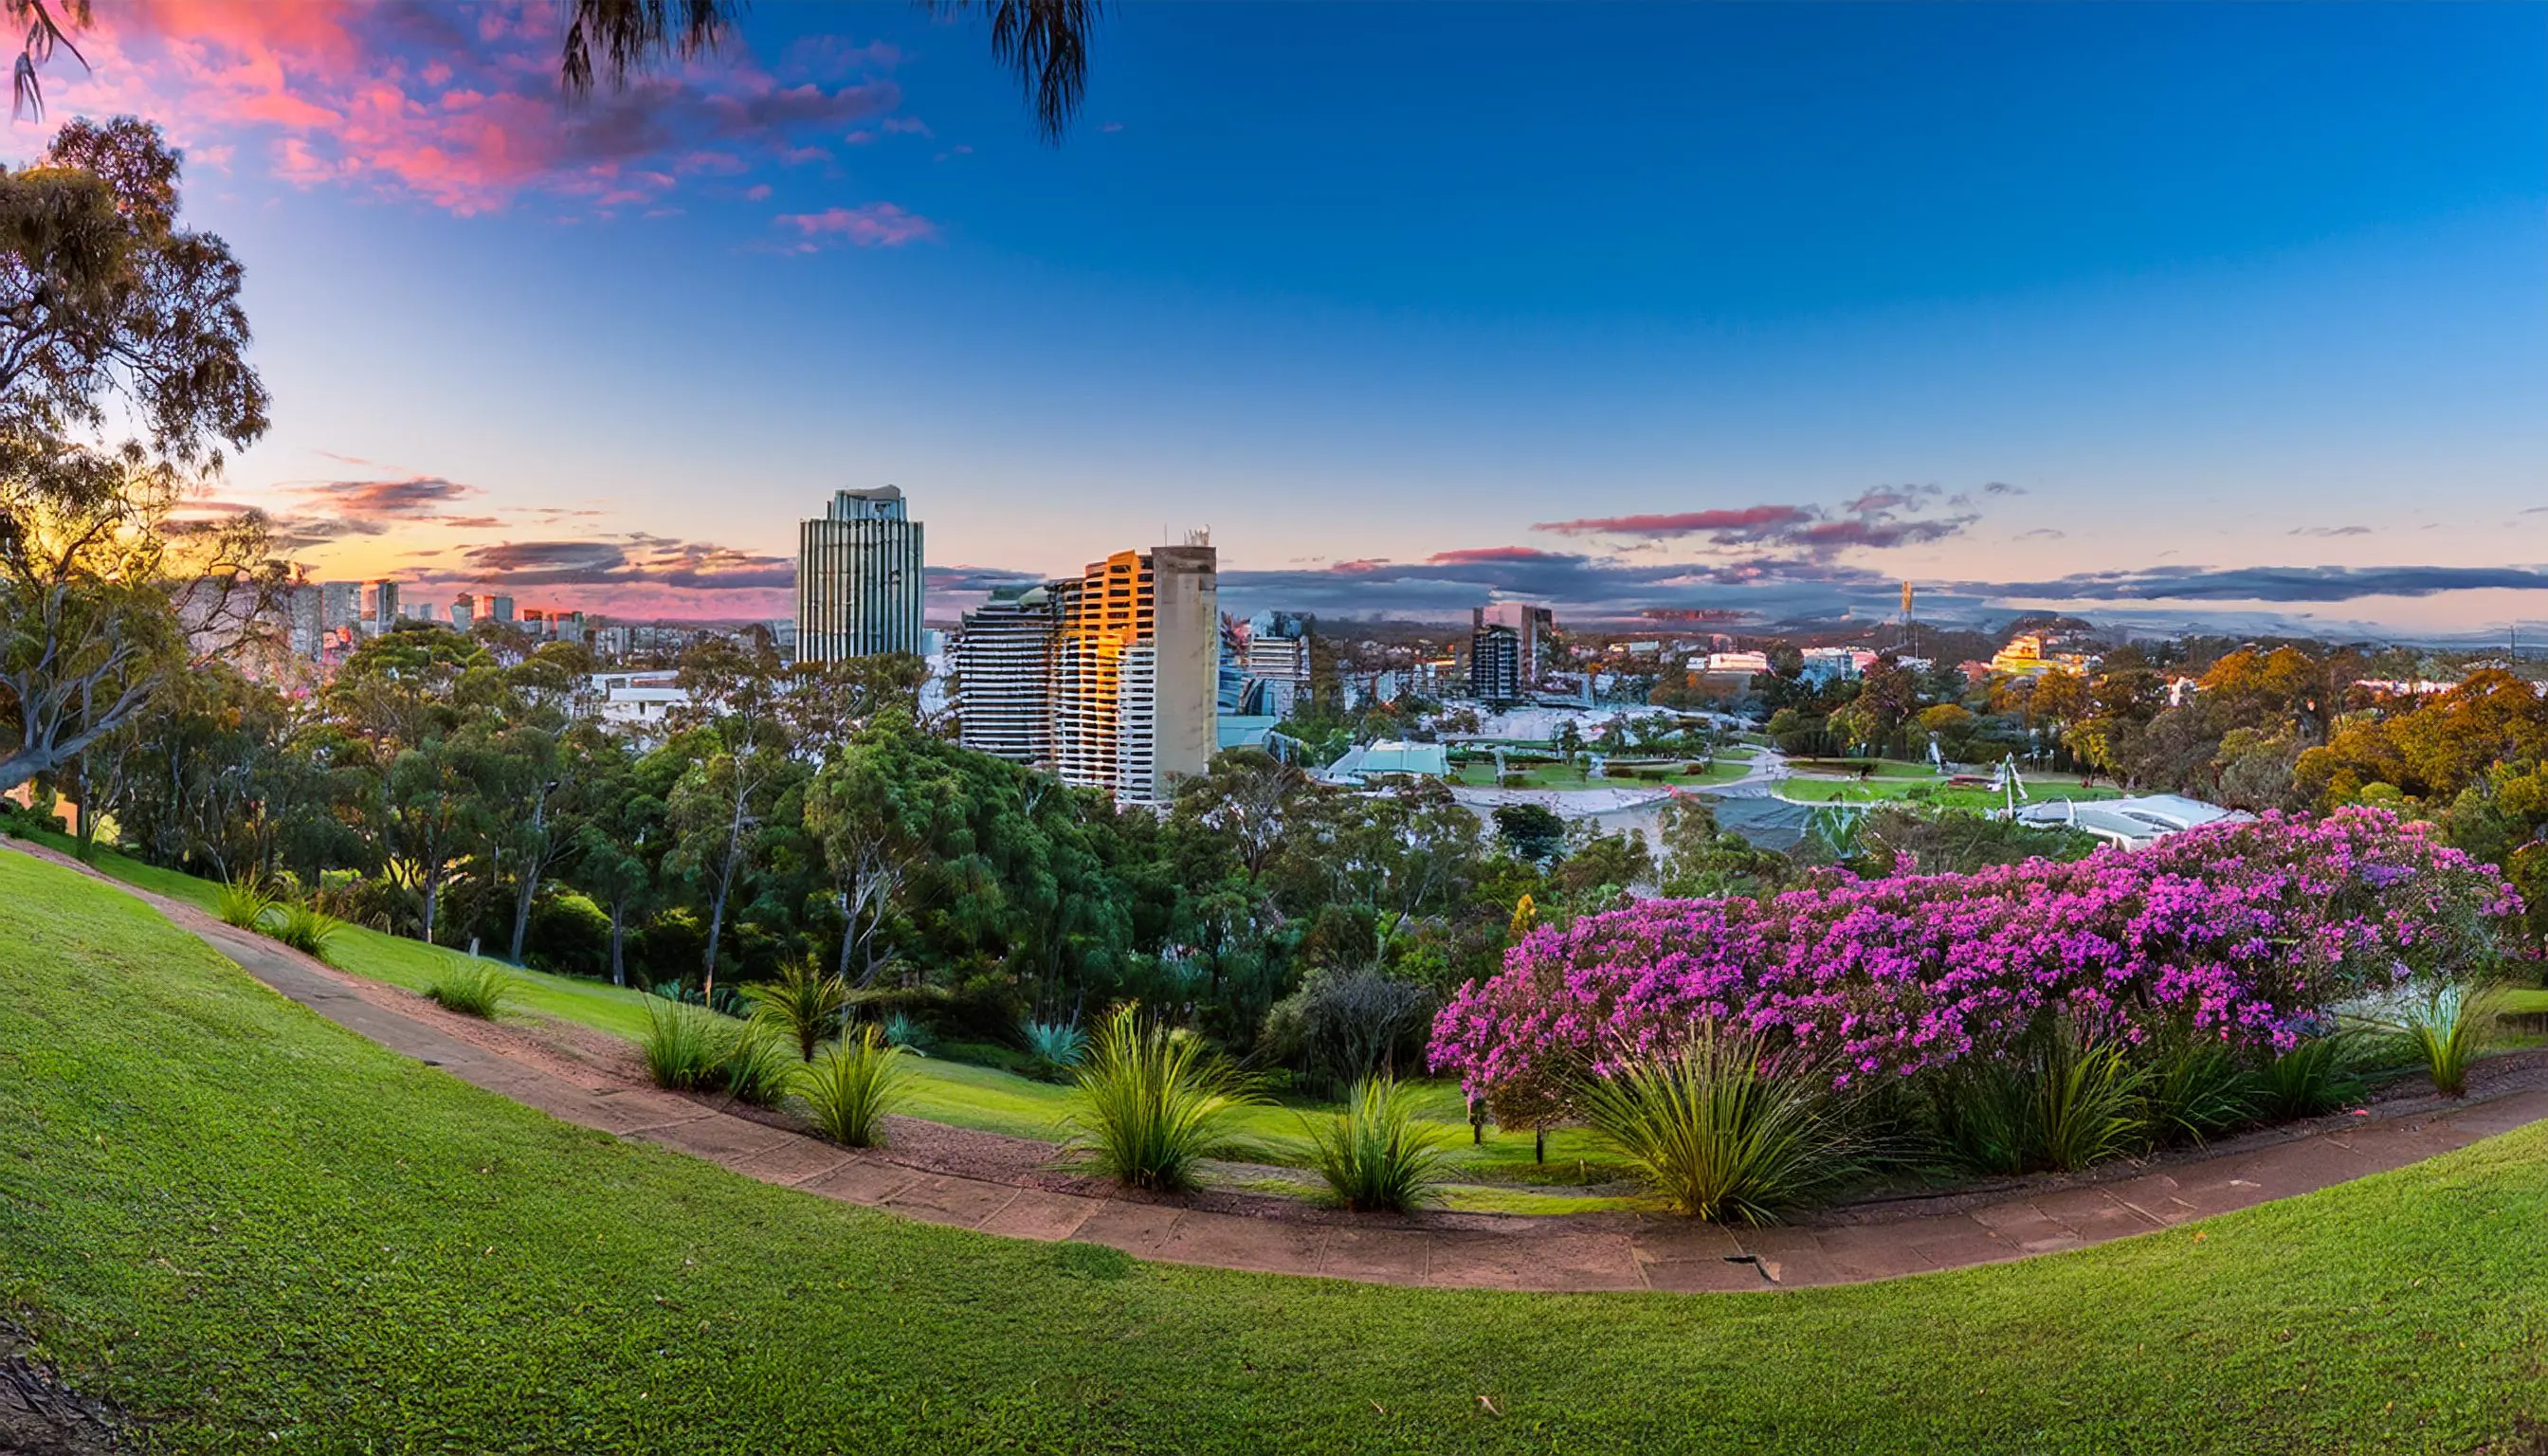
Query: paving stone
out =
(1790, 1259)
(1236, 1241)
(718, 1138)
(1378, 1255)
(862, 1180)
(1041, 1215)
(1134, 1228)
(1687, 1256)
(2027, 1228)
(1550, 1261)
(940, 1198)
(2095, 1215)
(2502, 1115)
(1889, 1250)
(793, 1159)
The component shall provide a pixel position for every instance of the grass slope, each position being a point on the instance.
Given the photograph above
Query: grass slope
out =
(964, 1095)
(261, 1233)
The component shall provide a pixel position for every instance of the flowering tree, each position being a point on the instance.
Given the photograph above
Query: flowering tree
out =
(2247, 932)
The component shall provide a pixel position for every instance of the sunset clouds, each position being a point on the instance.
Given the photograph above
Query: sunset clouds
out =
(458, 107)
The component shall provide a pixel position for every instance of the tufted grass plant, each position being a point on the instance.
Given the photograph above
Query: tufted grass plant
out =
(850, 1087)
(1377, 1155)
(2089, 1101)
(759, 1066)
(474, 989)
(2194, 1088)
(245, 902)
(2313, 1078)
(1723, 1132)
(2448, 1028)
(306, 928)
(1152, 1105)
(684, 1045)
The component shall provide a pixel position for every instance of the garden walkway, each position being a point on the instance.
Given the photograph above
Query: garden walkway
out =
(1585, 1252)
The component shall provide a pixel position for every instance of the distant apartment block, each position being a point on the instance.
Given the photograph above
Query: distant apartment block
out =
(464, 610)
(1835, 663)
(1111, 679)
(1495, 661)
(385, 605)
(1532, 628)
(499, 608)
(860, 580)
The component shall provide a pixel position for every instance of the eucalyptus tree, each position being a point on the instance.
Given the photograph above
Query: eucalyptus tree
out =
(740, 730)
(113, 314)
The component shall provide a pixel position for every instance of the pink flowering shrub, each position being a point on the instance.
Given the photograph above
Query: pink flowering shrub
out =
(2242, 932)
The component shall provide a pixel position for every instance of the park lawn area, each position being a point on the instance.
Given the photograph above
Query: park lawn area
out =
(961, 1094)
(1827, 790)
(258, 1231)
(1563, 775)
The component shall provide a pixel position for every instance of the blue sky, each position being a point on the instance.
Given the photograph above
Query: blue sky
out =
(1380, 294)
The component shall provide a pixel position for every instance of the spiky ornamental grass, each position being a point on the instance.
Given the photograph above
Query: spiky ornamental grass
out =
(852, 1085)
(1154, 1104)
(245, 902)
(306, 928)
(2449, 1026)
(804, 1003)
(759, 1066)
(1720, 1130)
(476, 989)
(1377, 1155)
(684, 1045)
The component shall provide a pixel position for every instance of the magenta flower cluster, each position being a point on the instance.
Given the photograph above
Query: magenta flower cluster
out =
(2246, 930)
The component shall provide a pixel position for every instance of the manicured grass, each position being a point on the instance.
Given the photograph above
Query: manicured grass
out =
(1562, 776)
(1825, 790)
(959, 1094)
(260, 1233)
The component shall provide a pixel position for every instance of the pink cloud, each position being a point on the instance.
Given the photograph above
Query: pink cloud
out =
(875, 225)
(1482, 555)
(455, 106)
(1745, 520)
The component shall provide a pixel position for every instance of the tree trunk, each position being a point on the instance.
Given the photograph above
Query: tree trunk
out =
(522, 911)
(432, 894)
(716, 928)
(619, 940)
(725, 886)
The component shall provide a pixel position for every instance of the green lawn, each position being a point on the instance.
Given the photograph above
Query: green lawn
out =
(1826, 791)
(1492, 1177)
(258, 1231)
(1562, 776)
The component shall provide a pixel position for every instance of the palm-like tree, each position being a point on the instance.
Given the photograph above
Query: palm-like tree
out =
(1045, 42)
(45, 21)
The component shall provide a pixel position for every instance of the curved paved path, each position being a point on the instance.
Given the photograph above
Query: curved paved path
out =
(1604, 1252)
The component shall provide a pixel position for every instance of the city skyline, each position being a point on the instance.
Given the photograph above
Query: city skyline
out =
(1765, 313)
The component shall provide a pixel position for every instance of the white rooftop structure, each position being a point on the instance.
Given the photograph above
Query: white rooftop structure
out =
(1389, 756)
(2132, 822)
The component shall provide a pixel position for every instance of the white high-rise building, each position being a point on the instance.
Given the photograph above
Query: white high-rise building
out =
(385, 605)
(861, 578)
